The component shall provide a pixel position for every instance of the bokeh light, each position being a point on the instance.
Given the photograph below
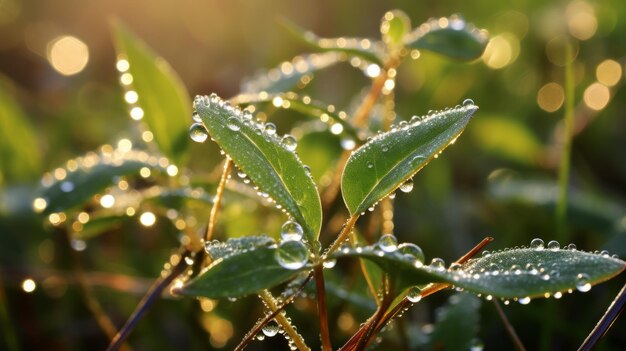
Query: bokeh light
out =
(147, 219)
(550, 97)
(597, 96)
(29, 285)
(581, 20)
(609, 72)
(501, 51)
(68, 55)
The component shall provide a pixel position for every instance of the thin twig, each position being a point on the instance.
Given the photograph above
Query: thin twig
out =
(261, 323)
(342, 236)
(519, 346)
(297, 339)
(151, 296)
(603, 325)
(218, 200)
(318, 272)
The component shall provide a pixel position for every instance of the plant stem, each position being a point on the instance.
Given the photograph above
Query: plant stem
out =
(318, 272)
(297, 339)
(564, 167)
(342, 236)
(218, 200)
(603, 325)
(155, 292)
(509, 328)
(261, 323)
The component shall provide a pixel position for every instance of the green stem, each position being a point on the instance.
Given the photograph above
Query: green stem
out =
(564, 167)
(297, 339)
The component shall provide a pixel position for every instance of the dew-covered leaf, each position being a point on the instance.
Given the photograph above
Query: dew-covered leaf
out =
(87, 176)
(305, 105)
(99, 224)
(452, 37)
(390, 159)
(177, 197)
(19, 153)
(242, 267)
(366, 49)
(297, 72)
(269, 161)
(394, 26)
(162, 95)
(510, 274)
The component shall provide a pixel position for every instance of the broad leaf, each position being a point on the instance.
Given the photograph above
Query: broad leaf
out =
(99, 224)
(367, 49)
(452, 37)
(270, 162)
(327, 113)
(509, 274)
(162, 95)
(240, 268)
(19, 153)
(89, 175)
(388, 160)
(297, 72)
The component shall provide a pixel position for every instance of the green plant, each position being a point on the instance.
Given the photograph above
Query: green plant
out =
(94, 192)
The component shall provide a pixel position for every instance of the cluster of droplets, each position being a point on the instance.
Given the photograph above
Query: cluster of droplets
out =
(300, 67)
(388, 245)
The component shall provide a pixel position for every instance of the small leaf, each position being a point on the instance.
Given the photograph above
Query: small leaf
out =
(19, 153)
(299, 71)
(99, 224)
(451, 37)
(89, 175)
(511, 274)
(242, 268)
(387, 161)
(304, 105)
(366, 49)
(269, 162)
(177, 197)
(394, 26)
(162, 95)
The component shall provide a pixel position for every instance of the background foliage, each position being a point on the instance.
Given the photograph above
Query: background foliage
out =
(498, 180)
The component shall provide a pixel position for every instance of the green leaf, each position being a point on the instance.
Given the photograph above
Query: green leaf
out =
(242, 267)
(99, 224)
(451, 37)
(456, 323)
(178, 197)
(271, 163)
(162, 95)
(299, 71)
(304, 105)
(394, 26)
(19, 153)
(510, 274)
(366, 49)
(388, 160)
(89, 175)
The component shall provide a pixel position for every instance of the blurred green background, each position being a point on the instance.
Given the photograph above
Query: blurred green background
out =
(60, 97)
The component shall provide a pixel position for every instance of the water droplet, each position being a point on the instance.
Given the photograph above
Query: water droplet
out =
(477, 345)
(270, 329)
(554, 245)
(260, 337)
(438, 264)
(557, 295)
(270, 128)
(411, 251)
(407, 186)
(67, 186)
(388, 243)
(291, 231)
(329, 263)
(289, 142)
(536, 244)
(455, 267)
(524, 300)
(571, 247)
(582, 282)
(292, 254)
(348, 144)
(241, 175)
(370, 165)
(414, 295)
(468, 102)
(198, 133)
(196, 117)
(233, 123)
